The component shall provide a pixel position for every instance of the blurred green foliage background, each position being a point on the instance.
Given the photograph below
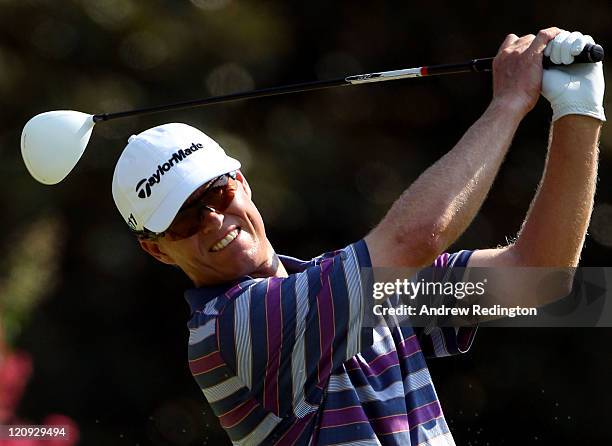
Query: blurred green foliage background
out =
(105, 324)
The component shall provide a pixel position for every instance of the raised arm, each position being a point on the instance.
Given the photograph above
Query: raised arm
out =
(554, 230)
(440, 204)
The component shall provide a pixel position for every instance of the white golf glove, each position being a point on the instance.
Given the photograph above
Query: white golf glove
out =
(575, 89)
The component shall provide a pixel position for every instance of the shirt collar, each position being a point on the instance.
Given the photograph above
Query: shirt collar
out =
(197, 298)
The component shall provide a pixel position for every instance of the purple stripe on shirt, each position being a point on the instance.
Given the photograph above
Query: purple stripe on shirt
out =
(327, 330)
(408, 346)
(274, 335)
(206, 363)
(236, 289)
(442, 260)
(380, 364)
(294, 432)
(424, 413)
(352, 364)
(341, 417)
(391, 424)
(237, 414)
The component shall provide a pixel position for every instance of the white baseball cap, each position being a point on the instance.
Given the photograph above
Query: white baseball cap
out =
(160, 168)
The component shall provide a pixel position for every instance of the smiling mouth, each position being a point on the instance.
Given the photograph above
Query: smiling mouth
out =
(225, 241)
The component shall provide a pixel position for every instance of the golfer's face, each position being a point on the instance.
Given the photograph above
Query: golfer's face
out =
(228, 245)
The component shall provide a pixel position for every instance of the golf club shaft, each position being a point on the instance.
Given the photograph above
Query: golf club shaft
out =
(591, 53)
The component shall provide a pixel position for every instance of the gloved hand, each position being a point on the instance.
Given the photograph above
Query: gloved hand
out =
(575, 89)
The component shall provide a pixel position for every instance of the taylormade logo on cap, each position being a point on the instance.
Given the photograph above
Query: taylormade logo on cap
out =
(160, 168)
(143, 188)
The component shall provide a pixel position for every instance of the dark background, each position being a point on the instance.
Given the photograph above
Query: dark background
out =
(105, 324)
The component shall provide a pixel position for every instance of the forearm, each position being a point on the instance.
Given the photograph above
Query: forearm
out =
(555, 227)
(441, 203)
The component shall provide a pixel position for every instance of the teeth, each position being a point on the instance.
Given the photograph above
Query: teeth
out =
(229, 238)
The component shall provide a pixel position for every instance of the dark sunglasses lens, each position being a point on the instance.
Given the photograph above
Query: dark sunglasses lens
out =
(186, 223)
(218, 197)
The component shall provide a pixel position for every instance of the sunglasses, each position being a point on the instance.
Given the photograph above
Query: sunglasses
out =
(217, 197)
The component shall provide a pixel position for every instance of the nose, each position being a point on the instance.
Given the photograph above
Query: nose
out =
(210, 220)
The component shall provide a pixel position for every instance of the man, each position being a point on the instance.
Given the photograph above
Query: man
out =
(276, 344)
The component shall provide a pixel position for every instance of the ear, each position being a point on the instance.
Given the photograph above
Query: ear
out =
(156, 250)
(240, 177)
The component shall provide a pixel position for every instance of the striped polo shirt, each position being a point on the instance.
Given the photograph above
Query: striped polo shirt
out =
(284, 361)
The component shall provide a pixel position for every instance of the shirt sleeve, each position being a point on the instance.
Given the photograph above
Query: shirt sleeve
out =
(439, 341)
(284, 336)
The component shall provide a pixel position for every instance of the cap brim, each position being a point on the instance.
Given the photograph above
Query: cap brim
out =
(163, 216)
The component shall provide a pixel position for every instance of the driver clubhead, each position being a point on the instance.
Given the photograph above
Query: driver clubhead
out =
(53, 142)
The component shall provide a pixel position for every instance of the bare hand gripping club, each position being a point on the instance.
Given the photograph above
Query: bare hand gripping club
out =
(53, 142)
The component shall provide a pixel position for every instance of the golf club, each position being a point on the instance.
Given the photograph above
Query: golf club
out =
(53, 142)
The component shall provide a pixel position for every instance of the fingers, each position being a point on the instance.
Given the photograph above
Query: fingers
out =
(544, 36)
(559, 53)
(565, 46)
(509, 40)
(513, 43)
(524, 41)
(575, 42)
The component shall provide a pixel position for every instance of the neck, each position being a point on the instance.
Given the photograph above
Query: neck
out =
(273, 267)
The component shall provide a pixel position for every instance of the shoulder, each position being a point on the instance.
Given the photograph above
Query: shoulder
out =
(209, 301)
(356, 254)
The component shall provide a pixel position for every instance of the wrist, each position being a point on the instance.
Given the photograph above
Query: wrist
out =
(575, 136)
(594, 111)
(577, 124)
(509, 109)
